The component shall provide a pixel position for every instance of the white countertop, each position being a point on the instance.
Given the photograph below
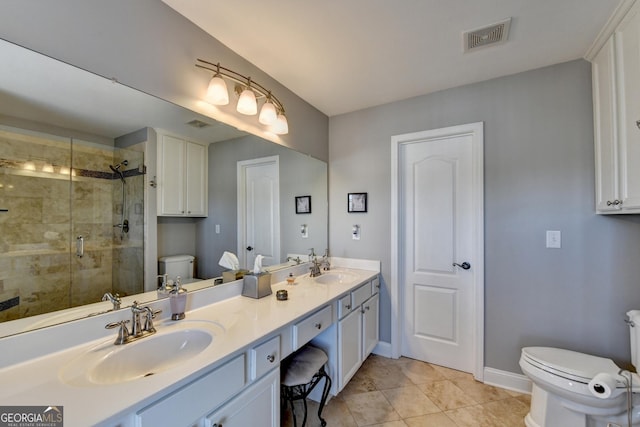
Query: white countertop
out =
(242, 321)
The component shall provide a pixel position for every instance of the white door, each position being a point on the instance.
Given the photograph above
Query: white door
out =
(259, 211)
(438, 228)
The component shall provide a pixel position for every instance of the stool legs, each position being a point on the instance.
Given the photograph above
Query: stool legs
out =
(300, 392)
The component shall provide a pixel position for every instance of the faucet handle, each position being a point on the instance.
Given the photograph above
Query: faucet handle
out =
(123, 332)
(148, 322)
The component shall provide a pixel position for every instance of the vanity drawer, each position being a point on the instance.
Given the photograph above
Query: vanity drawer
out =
(306, 329)
(375, 285)
(344, 306)
(197, 398)
(361, 294)
(265, 357)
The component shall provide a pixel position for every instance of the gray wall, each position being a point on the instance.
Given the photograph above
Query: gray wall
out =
(300, 175)
(147, 45)
(539, 175)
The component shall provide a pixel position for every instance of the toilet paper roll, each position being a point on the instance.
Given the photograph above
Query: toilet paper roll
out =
(602, 385)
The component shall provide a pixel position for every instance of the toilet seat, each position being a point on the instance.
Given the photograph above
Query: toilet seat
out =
(570, 365)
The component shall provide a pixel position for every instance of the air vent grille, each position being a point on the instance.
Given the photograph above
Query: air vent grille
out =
(198, 124)
(487, 36)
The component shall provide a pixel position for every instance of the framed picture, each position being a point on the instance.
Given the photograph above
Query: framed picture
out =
(303, 205)
(357, 202)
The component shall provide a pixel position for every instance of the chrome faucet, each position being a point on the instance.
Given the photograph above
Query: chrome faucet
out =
(315, 264)
(296, 259)
(137, 330)
(115, 300)
(326, 260)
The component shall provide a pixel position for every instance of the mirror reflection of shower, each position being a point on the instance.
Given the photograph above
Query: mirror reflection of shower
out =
(124, 221)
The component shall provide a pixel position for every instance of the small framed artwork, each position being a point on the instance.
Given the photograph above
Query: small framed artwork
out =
(303, 204)
(357, 202)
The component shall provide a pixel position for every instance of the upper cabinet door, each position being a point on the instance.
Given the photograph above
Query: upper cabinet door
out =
(196, 180)
(171, 178)
(627, 38)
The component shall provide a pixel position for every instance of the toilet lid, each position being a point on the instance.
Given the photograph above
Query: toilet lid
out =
(569, 364)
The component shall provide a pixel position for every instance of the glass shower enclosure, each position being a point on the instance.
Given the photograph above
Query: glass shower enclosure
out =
(71, 222)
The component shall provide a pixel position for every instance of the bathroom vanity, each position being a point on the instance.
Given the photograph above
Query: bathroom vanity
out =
(219, 366)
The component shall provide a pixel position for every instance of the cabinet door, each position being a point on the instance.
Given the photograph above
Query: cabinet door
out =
(370, 325)
(627, 38)
(171, 182)
(349, 346)
(258, 405)
(196, 180)
(605, 130)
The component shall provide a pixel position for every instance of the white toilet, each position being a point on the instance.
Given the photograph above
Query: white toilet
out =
(565, 393)
(178, 265)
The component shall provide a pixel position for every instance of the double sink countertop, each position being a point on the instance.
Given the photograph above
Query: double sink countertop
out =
(51, 375)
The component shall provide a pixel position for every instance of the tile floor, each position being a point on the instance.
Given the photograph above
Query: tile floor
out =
(409, 393)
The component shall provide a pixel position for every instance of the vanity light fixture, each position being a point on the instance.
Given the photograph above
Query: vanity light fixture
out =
(249, 92)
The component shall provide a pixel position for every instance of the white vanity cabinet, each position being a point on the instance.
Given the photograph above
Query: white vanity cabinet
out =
(182, 177)
(616, 108)
(357, 330)
(258, 405)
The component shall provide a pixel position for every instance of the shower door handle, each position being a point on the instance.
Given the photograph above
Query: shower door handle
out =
(79, 246)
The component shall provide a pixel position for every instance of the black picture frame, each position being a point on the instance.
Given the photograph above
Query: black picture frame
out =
(356, 202)
(303, 204)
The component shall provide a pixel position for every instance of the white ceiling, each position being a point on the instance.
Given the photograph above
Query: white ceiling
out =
(345, 55)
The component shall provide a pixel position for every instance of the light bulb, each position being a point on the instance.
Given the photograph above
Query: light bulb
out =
(29, 165)
(48, 167)
(281, 127)
(268, 114)
(65, 170)
(217, 93)
(247, 103)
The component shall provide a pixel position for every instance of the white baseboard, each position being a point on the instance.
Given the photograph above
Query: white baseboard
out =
(507, 380)
(383, 349)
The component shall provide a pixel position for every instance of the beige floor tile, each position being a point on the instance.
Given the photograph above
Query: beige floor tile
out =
(387, 377)
(430, 420)
(451, 373)
(399, 423)
(510, 411)
(420, 372)
(474, 416)
(446, 395)
(478, 391)
(360, 383)
(370, 408)
(410, 401)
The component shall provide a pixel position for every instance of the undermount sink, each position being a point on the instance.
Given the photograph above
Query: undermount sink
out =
(335, 277)
(112, 364)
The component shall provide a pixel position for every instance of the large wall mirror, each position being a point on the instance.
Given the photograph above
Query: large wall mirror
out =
(77, 210)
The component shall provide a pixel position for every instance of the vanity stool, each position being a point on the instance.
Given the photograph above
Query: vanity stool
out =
(300, 373)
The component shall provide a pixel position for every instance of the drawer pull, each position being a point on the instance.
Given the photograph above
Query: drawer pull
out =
(271, 358)
(366, 308)
(318, 325)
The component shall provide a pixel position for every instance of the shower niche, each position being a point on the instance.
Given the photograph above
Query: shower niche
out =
(71, 222)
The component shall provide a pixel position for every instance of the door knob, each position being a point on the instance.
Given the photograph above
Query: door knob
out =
(464, 265)
(249, 248)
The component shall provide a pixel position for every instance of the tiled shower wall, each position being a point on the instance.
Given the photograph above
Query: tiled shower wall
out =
(54, 191)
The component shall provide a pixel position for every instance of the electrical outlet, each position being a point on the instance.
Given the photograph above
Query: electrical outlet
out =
(554, 239)
(217, 228)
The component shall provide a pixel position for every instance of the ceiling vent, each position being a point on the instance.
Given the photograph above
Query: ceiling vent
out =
(487, 36)
(198, 124)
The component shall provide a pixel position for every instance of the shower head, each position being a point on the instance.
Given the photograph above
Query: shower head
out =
(116, 168)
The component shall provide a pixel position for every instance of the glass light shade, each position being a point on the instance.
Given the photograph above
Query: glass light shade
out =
(217, 93)
(65, 170)
(29, 165)
(281, 127)
(268, 115)
(247, 103)
(48, 167)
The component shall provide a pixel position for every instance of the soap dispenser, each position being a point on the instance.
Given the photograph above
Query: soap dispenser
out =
(178, 300)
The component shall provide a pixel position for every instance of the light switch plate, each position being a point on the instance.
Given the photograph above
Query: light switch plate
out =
(554, 239)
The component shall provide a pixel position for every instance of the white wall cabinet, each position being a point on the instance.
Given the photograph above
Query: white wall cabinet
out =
(182, 177)
(616, 108)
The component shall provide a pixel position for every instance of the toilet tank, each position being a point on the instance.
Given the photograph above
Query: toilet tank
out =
(177, 265)
(634, 335)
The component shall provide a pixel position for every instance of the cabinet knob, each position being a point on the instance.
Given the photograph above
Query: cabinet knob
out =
(614, 203)
(189, 212)
(318, 325)
(367, 308)
(348, 306)
(271, 358)
(638, 123)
